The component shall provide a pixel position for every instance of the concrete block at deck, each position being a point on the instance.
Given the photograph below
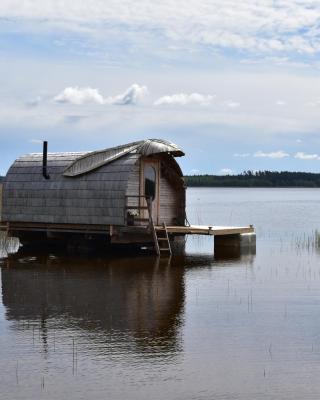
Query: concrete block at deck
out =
(242, 240)
(239, 241)
(248, 239)
(241, 247)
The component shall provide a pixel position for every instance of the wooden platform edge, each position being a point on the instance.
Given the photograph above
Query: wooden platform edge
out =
(131, 230)
(210, 230)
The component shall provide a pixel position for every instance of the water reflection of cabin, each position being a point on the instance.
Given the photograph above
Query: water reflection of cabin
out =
(100, 192)
(128, 295)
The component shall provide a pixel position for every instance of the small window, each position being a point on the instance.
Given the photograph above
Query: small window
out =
(150, 182)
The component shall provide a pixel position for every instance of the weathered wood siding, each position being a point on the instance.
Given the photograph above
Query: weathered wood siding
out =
(171, 203)
(171, 190)
(97, 197)
(0, 202)
(133, 186)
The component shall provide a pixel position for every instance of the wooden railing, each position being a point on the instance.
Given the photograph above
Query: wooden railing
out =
(152, 228)
(131, 219)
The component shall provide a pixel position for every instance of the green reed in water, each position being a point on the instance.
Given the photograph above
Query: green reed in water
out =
(307, 241)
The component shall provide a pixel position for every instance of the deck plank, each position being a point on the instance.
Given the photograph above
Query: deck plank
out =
(209, 230)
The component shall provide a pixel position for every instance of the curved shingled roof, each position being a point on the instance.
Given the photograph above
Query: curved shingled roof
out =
(93, 160)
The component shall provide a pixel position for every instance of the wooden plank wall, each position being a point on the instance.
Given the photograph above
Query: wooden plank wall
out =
(171, 203)
(0, 201)
(172, 192)
(94, 198)
(133, 187)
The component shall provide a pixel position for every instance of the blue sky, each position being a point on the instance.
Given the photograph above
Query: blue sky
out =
(235, 84)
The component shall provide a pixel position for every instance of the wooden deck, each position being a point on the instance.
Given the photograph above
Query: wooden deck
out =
(172, 229)
(208, 230)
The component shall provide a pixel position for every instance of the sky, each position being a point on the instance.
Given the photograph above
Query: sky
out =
(235, 84)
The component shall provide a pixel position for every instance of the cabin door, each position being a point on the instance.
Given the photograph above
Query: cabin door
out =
(149, 187)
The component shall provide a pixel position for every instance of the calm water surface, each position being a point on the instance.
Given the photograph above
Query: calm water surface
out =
(201, 326)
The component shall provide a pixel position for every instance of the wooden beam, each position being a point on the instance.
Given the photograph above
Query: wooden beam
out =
(208, 230)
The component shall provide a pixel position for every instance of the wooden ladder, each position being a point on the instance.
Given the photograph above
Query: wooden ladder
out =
(157, 238)
(163, 238)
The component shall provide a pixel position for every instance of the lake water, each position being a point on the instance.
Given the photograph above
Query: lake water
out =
(200, 326)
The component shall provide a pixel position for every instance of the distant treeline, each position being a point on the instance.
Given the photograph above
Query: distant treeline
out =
(1, 178)
(256, 179)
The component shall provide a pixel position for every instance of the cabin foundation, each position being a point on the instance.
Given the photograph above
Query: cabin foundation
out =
(227, 240)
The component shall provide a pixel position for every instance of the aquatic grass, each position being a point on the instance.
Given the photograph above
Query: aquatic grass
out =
(307, 241)
(74, 357)
(17, 373)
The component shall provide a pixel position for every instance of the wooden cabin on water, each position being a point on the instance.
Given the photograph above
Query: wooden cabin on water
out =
(115, 192)
(134, 193)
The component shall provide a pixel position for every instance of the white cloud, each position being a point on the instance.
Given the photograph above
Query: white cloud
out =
(231, 104)
(36, 141)
(314, 103)
(303, 156)
(274, 154)
(194, 172)
(241, 155)
(79, 96)
(226, 171)
(183, 99)
(133, 95)
(260, 26)
(281, 103)
(34, 102)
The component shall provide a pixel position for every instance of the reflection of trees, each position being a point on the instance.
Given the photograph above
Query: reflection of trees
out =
(141, 297)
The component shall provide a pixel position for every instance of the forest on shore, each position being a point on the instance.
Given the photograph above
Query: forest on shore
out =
(256, 179)
(253, 179)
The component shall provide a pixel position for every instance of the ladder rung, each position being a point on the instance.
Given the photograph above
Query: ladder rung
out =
(136, 208)
(163, 238)
(141, 219)
(164, 249)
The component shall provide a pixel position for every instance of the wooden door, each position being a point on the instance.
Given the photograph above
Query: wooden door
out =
(149, 186)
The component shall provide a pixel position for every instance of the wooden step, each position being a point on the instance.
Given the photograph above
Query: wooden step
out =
(136, 208)
(157, 239)
(163, 239)
(141, 219)
(164, 234)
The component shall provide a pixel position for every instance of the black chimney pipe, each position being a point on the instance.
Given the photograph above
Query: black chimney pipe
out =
(44, 160)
